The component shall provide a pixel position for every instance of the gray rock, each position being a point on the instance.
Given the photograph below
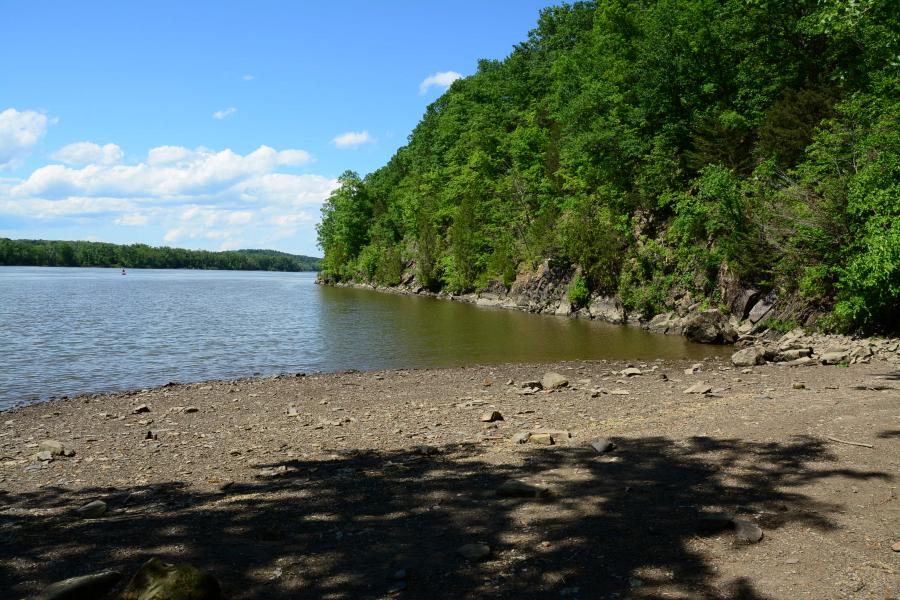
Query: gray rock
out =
(747, 531)
(54, 447)
(532, 384)
(665, 323)
(763, 307)
(607, 308)
(806, 360)
(44, 456)
(709, 327)
(748, 357)
(473, 552)
(792, 354)
(742, 302)
(553, 381)
(833, 358)
(631, 372)
(191, 409)
(544, 439)
(143, 408)
(157, 580)
(91, 510)
(84, 587)
(603, 445)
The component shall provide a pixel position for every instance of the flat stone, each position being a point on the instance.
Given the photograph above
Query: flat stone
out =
(532, 384)
(84, 587)
(544, 439)
(553, 381)
(896, 547)
(805, 360)
(699, 388)
(191, 409)
(748, 357)
(44, 456)
(143, 408)
(798, 386)
(490, 417)
(474, 552)
(632, 372)
(620, 392)
(54, 447)
(92, 510)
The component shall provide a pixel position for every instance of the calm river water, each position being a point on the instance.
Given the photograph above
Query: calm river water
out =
(67, 331)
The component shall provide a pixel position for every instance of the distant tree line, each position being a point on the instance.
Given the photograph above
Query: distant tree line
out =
(658, 146)
(50, 253)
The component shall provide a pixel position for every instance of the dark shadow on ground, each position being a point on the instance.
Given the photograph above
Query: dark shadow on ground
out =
(621, 525)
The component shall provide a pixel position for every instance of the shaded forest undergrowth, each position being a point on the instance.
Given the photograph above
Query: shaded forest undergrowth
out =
(628, 524)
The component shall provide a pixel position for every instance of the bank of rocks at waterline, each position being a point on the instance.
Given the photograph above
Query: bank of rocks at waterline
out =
(545, 290)
(799, 348)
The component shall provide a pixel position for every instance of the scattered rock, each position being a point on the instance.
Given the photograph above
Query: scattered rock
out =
(532, 384)
(896, 547)
(43, 456)
(84, 587)
(91, 510)
(603, 445)
(699, 388)
(833, 358)
(798, 386)
(157, 579)
(151, 435)
(519, 489)
(54, 447)
(620, 392)
(190, 409)
(553, 381)
(490, 417)
(747, 531)
(748, 357)
(143, 408)
(544, 439)
(631, 372)
(805, 360)
(473, 552)
(521, 437)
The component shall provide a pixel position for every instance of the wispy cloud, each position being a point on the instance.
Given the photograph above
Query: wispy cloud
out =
(83, 153)
(442, 79)
(248, 77)
(224, 114)
(20, 131)
(352, 139)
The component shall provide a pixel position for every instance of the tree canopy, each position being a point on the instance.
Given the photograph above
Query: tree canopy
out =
(654, 144)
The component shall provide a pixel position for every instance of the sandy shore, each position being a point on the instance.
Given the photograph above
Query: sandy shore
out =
(365, 485)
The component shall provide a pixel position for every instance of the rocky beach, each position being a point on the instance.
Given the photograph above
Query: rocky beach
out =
(587, 479)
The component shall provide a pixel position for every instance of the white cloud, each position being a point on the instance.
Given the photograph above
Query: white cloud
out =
(352, 139)
(442, 79)
(199, 197)
(248, 77)
(82, 153)
(224, 113)
(19, 134)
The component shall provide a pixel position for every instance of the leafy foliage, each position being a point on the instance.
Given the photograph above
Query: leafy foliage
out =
(651, 144)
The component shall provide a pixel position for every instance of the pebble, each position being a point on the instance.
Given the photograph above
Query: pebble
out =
(620, 392)
(896, 547)
(699, 388)
(603, 445)
(521, 437)
(798, 386)
(191, 409)
(747, 531)
(553, 381)
(44, 456)
(631, 372)
(476, 551)
(143, 408)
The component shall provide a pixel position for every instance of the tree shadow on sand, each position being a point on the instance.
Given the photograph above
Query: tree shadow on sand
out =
(626, 524)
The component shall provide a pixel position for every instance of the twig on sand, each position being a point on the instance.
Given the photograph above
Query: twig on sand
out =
(849, 443)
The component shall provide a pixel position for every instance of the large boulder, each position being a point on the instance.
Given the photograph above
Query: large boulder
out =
(159, 580)
(553, 381)
(83, 587)
(709, 327)
(665, 323)
(607, 308)
(748, 357)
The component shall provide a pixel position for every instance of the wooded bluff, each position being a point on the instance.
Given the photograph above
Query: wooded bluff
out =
(659, 149)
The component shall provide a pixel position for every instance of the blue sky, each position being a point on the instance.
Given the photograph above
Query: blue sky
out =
(218, 125)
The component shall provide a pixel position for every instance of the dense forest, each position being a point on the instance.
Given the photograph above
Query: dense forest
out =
(47, 253)
(657, 146)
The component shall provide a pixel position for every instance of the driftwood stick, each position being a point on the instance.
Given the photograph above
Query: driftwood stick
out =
(849, 443)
